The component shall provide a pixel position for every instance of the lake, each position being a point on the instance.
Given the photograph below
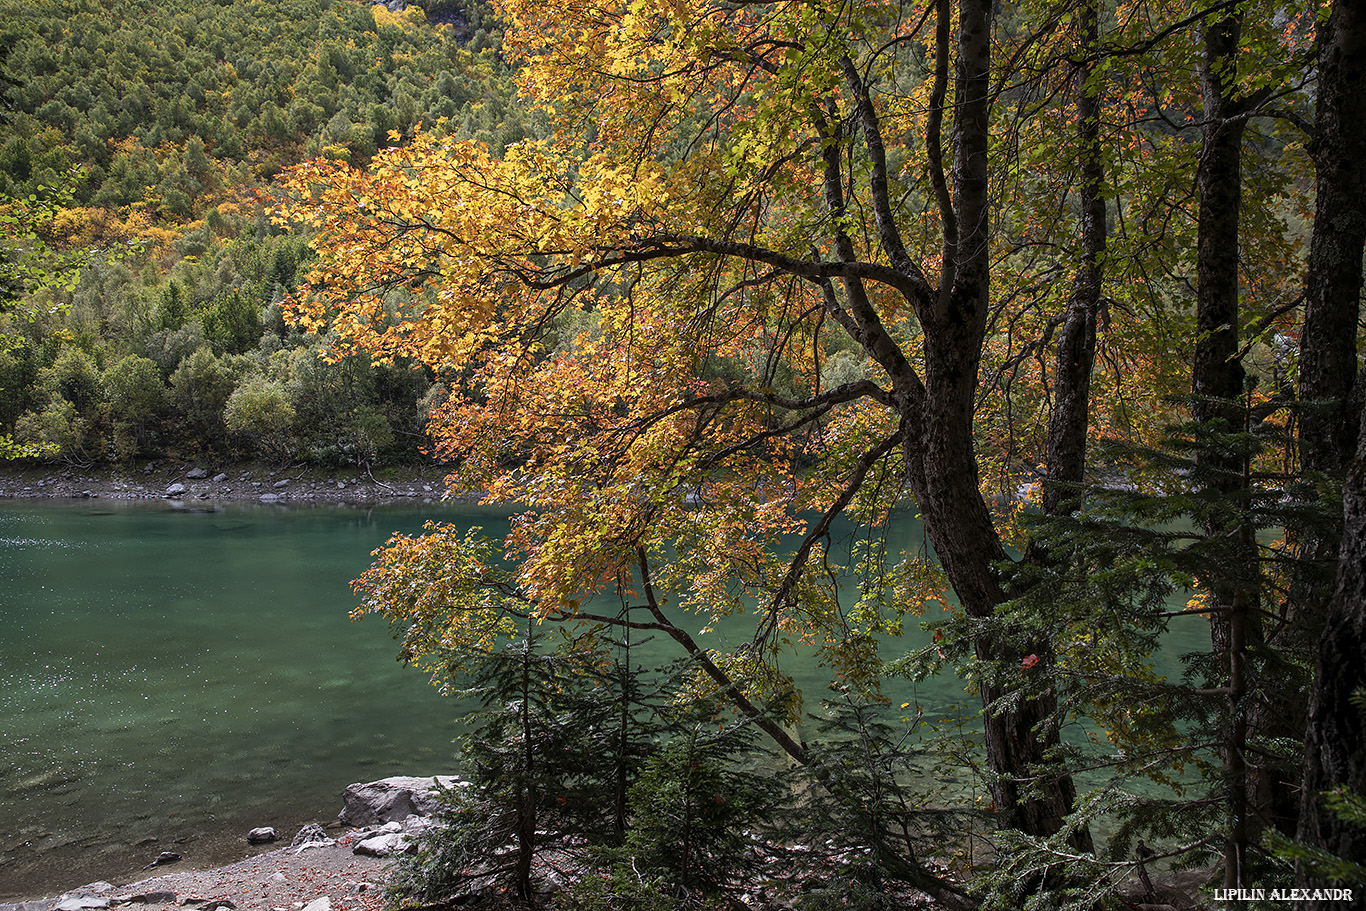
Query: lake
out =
(170, 679)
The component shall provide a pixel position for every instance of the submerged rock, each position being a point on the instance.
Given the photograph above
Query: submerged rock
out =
(261, 835)
(165, 857)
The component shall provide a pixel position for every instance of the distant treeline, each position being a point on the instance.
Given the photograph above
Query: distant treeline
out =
(156, 127)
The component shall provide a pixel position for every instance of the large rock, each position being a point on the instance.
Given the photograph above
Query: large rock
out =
(382, 845)
(392, 799)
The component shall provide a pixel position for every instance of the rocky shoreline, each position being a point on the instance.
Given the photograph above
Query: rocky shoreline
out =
(316, 872)
(208, 482)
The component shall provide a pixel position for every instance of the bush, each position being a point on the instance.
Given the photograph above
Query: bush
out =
(260, 416)
(200, 389)
(56, 430)
(74, 377)
(138, 398)
(693, 811)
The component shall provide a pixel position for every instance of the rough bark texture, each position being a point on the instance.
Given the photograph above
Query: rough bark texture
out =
(1335, 733)
(1335, 741)
(1217, 373)
(1076, 352)
(1217, 380)
(940, 441)
(1328, 365)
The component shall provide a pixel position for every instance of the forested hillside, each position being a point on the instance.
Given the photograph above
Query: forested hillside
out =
(1078, 282)
(137, 138)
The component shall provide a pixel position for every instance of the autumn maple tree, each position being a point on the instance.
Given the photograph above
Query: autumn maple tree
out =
(777, 265)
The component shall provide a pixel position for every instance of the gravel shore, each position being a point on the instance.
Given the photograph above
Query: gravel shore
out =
(286, 879)
(208, 482)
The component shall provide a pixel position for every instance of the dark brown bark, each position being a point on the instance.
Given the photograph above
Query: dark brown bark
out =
(1328, 359)
(1335, 740)
(1077, 338)
(526, 791)
(1076, 352)
(1217, 380)
(1335, 732)
(1217, 373)
(940, 448)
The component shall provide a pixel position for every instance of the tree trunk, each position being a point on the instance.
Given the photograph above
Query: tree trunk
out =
(1076, 353)
(1328, 360)
(1335, 741)
(940, 445)
(1331, 434)
(1217, 380)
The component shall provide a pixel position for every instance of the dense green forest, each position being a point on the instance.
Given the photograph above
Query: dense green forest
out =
(710, 297)
(137, 138)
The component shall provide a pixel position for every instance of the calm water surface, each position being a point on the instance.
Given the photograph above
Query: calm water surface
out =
(171, 679)
(184, 677)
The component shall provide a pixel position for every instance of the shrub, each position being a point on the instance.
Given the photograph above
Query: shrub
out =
(260, 416)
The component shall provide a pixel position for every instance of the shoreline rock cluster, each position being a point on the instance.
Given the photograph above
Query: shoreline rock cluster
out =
(383, 817)
(202, 483)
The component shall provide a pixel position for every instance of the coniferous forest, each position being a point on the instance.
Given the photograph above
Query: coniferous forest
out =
(709, 293)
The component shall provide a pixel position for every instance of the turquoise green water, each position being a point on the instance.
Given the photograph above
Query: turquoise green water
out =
(184, 677)
(171, 679)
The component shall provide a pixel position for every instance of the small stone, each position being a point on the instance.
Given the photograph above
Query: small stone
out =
(175, 490)
(82, 903)
(284, 482)
(196, 473)
(155, 897)
(319, 904)
(341, 485)
(277, 877)
(309, 833)
(261, 835)
(269, 497)
(165, 857)
(220, 478)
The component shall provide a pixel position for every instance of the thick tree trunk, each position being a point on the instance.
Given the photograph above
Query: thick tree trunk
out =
(1217, 380)
(1335, 741)
(941, 441)
(1328, 358)
(1332, 434)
